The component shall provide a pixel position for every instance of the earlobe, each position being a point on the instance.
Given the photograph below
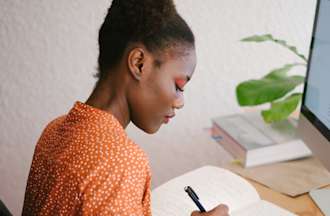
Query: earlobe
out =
(136, 59)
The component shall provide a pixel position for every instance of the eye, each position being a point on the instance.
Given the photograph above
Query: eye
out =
(178, 88)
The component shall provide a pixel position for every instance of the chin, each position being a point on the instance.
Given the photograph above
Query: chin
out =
(148, 129)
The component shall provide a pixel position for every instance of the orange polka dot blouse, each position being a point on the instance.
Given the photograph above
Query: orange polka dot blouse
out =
(84, 164)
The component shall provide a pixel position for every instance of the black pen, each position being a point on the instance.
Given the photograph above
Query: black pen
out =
(194, 197)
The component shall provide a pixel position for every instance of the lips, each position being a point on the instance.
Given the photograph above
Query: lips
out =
(168, 117)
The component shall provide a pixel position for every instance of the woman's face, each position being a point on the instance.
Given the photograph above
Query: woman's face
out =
(160, 89)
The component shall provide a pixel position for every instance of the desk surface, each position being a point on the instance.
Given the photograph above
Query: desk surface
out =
(301, 205)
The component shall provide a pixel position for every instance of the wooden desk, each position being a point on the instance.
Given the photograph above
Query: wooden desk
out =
(301, 205)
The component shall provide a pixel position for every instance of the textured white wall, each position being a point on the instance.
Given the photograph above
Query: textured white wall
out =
(48, 56)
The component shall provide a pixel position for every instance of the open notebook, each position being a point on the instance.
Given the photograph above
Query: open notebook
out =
(213, 186)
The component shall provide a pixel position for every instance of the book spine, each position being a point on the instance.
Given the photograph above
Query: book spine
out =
(228, 143)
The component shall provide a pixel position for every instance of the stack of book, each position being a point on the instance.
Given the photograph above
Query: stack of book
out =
(253, 142)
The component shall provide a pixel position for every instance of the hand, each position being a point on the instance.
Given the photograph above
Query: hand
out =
(220, 210)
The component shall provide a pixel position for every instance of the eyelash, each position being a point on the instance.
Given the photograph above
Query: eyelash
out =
(178, 88)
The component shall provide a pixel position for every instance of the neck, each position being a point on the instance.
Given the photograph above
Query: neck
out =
(111, 97)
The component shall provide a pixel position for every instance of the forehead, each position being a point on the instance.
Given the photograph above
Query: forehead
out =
(179, 60)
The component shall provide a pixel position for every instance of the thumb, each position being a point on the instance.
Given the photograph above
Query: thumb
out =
(196, 213)
(218, 210)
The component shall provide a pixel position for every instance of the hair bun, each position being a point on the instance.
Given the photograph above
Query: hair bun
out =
(144, 16)
(154, 23)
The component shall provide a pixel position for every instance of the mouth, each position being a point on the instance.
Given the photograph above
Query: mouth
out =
(168, 117)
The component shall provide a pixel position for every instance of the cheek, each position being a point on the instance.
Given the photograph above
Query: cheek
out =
(165, 92)
(156, 100)
(170, 94)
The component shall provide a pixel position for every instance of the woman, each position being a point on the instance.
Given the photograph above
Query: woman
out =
(84, 163)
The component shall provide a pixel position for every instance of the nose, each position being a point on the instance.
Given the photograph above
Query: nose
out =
(179, 102)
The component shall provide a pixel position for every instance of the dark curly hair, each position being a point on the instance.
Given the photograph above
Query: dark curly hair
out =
(155, 23)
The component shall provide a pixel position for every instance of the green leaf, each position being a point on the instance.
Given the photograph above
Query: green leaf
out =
(268, 89)
(282, 72)
(258, 38)
(269, 37)
(282, 109)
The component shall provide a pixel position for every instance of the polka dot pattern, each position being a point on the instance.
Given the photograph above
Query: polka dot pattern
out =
(84, 164)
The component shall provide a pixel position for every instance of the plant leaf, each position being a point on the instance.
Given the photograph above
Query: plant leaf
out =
(258, 38)
(255, 92)
(291, 48)
(269, 37)
(282, 109)
(281, 72)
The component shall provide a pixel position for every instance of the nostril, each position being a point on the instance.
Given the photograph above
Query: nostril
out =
(178, 103)
(180, 106)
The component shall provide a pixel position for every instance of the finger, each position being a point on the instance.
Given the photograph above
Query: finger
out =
(223, 209)
(195, 213)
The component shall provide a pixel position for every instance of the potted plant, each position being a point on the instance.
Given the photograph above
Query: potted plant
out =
(275, 87)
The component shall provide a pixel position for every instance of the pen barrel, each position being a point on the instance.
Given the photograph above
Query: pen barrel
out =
(191, 193)
(198, 204)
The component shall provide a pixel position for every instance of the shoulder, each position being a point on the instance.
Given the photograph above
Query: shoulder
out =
(117, 165)
(121, 155)
(50, 130)
(55, 123)
(108, 155)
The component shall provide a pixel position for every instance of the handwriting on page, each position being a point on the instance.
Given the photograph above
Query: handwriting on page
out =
(213, 186)
(225, 188)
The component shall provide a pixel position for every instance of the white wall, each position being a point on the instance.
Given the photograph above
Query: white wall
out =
(48, 56)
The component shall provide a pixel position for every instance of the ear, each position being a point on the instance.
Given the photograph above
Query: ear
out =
(136, 60)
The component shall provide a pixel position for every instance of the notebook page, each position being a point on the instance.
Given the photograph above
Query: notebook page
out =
(213, 185)
(262, 208)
